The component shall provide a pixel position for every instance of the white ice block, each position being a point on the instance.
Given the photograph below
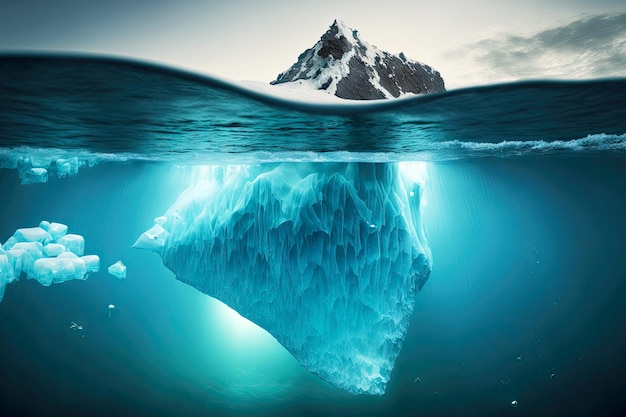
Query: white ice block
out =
(32, 234)
(56, 270)
(118, 270)
(26, 253)
(9, 243)
(92, 262)
(67, 166)
(53, 249)
(7, 273)
(57, 230)
(34, 176)
(45, 253)
(73, 243)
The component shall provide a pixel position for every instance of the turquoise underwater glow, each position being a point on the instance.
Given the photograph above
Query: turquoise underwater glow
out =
(517, 204)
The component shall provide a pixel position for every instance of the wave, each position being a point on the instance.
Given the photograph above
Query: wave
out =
(437, 152)
(139, 110)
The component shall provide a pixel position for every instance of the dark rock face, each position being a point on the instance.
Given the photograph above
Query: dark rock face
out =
(357, 86)
(341, 63)
(334, 45)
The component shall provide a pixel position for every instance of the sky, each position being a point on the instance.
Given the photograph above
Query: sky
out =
(469, 42)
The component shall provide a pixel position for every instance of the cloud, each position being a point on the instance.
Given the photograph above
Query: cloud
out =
(591, 47)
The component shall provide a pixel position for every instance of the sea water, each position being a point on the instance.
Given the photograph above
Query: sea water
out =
(524, 206)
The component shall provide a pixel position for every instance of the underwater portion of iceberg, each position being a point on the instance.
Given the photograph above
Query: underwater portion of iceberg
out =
(327, 257)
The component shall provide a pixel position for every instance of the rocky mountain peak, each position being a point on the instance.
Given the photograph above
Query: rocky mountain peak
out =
(344, 65)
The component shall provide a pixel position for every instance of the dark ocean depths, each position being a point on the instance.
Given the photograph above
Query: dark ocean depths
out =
(524, 205)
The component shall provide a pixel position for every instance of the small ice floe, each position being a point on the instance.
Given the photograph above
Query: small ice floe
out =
(111, 308)
(514, 403)
(118, 270)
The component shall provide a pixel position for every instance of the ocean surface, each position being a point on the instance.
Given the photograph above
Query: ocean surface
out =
(523, 202)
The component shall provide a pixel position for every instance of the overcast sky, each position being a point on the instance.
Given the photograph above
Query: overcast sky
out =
(469, 42)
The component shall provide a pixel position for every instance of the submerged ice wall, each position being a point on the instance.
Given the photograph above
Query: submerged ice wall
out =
(327, 257)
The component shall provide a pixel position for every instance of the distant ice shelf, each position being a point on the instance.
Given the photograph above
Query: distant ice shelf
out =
(327, 257)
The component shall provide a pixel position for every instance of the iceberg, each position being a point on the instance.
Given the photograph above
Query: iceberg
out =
(327, 257)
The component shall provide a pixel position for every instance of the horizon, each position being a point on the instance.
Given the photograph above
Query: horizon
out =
(477, 43)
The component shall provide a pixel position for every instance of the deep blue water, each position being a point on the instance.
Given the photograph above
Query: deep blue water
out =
(524, 205)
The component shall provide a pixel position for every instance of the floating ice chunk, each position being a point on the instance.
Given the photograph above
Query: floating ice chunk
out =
(57, 230)
(80, 270)
(118, 269)
(34, 176)
(53, 249)
(45, 269)
(32, 170)
(34, 252)
(38, 161)
(7, 273)
(152, 239)
(9, 243)
(161, 220)
(26, 253)
(15, 259)
(92, 262)
(9, 161)
(111, 307)
(67, 166)
(73, 243)
(61, 269)
(32, 234)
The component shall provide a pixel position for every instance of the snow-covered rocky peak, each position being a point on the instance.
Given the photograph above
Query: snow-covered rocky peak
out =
(343, 64)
